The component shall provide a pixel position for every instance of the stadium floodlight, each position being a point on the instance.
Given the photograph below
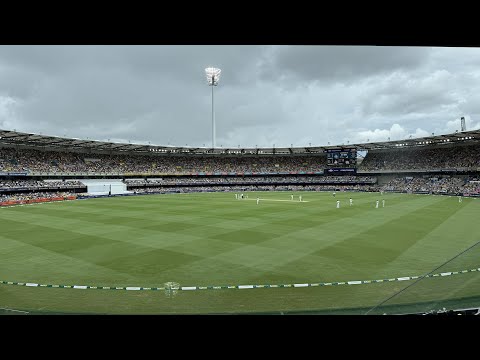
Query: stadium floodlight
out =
(213, 77)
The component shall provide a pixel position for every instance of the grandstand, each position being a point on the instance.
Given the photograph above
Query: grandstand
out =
(37, 168)
(443, 164)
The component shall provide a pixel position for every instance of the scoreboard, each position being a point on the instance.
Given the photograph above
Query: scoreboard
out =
(342, 157)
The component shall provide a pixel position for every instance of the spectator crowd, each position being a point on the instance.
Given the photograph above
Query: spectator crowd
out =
(218, 168)
(453, 157)
(53, 162)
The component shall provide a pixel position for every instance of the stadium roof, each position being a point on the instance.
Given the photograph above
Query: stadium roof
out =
(8, 137)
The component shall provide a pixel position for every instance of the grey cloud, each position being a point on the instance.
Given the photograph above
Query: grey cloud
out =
(338, 63)
(267, 94)
(411, 98)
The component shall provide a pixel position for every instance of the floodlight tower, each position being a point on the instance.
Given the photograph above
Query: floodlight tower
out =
(213, 76)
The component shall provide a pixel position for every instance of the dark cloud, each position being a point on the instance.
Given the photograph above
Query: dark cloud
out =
(267, 94)
(95, 87)
(338, 63)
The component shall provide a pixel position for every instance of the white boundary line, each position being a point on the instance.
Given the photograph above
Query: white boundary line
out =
(297, 285)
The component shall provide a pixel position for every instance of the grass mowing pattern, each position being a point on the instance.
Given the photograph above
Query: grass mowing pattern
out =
(212, 239)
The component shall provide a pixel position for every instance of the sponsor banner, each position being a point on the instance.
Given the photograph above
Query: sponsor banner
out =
(17, 173)
(34, 201)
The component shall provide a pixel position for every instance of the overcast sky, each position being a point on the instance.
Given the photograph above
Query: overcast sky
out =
(267, 95)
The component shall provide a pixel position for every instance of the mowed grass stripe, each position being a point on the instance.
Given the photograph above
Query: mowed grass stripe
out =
(457, 225)
(214, 239)
(310, 241)
(383, 243)
(39, 264)
(86, 247)
(83, 226)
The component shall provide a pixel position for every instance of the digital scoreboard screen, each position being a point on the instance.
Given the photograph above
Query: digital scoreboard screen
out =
(342, 157)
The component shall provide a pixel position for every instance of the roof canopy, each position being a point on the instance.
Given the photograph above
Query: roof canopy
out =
(41, 141)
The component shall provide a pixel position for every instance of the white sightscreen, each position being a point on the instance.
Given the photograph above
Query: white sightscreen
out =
(105, 186)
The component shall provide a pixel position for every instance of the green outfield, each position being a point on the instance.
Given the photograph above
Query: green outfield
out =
(212, 240)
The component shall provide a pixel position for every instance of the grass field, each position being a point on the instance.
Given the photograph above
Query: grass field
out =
(211, 239)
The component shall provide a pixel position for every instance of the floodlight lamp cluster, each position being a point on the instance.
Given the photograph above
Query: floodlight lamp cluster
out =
(213, 75)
